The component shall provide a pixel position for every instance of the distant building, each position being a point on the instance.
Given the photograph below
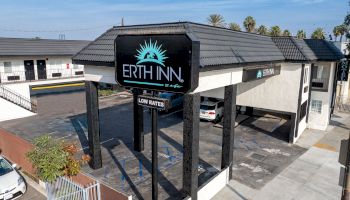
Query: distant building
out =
(36, 66)
(38, 59)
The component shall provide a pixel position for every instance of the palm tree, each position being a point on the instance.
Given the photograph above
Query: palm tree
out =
(336, 32)
(301, 34)
(275, 31)
(249, 24)
(234, 26)
(342, 30)
(262, 30)
(216, 20)
(286, 33)
(318, 34)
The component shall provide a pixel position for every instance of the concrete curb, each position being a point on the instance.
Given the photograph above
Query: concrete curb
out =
(34, 184)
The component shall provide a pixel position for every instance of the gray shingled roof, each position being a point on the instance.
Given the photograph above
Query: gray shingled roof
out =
(44, 47)
(324, 51)
(294, 49)
(218, 46)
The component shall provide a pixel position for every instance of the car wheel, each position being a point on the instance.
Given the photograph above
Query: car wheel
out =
(217, 119)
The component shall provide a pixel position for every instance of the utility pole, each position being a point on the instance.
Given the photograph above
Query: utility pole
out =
(122, 22)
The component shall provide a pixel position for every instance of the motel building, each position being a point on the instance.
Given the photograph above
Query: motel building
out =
(32, 66)
(295, 78)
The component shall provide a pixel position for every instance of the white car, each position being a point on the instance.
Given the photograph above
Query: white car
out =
(12, 184)
(211, 110)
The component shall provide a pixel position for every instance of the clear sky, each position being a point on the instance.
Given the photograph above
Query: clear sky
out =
(87, 19)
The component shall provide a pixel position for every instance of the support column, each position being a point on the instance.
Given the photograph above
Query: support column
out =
(93, 124)
(191, 145)
(138, 123)
(228, 127)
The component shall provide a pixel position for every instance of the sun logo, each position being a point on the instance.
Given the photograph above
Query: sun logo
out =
(151, 52)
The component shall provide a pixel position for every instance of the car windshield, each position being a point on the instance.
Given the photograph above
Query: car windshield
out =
(205, 107)
(5, 167)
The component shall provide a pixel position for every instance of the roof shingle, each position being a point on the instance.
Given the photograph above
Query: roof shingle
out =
(218, 46)
(324, 51)
(35, 47)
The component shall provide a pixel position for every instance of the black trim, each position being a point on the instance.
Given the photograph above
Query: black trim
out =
(309, 96)
(334, 92)
(13, 78)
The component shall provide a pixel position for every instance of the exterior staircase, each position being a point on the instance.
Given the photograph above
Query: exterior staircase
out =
(17, 99)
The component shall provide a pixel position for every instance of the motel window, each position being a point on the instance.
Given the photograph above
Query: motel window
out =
(303, 110)
(316, 106)
(306, 75)
(7, 67)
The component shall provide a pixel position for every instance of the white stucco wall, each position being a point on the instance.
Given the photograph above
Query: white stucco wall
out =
(9, 111)
(207, 80)
(320, 121)
(279, 92)
(54, 64)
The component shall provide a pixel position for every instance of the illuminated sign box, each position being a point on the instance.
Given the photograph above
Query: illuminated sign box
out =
(157, 62)
(260, 72)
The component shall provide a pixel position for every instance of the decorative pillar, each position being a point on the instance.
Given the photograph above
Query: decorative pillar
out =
(93, 124)
(191, 145)
(138, 123)
(228, 127)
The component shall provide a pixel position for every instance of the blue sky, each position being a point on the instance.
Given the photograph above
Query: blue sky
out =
(87, 19)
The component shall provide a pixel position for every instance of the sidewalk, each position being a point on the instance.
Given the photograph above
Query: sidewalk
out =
(314, 175)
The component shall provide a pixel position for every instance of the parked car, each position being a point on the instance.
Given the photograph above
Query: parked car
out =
(12, 184)
(175, 100)
(211, 110)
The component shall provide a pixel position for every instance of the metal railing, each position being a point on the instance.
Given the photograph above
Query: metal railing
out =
(66, 189)
(17, 99)
(320, 84)
(49, 74)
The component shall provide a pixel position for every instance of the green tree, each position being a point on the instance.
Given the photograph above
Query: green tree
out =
(275, 31)
(262, 30)
(318, 34)
(343, 29)
(234, 26)
(286, 33)
(216, 20)
(249, 24)
(336, 32)
(301, 34)
(53, 159)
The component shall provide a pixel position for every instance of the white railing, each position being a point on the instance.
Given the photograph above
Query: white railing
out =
(66, 189)
(17, 99)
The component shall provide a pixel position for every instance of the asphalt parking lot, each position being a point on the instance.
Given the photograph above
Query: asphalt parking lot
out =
(260, 150)
(32, 194)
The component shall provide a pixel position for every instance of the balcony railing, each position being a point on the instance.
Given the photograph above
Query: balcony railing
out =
(320, 84)
(17, 99)
(30, 75)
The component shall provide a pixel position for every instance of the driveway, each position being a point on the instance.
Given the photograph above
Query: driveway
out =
(260, 151)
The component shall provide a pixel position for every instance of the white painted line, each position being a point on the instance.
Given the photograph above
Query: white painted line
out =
(100, 143)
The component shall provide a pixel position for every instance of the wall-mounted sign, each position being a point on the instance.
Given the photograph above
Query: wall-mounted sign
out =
(260, 72)
(155, 62)
(343, 70)
(153, 102)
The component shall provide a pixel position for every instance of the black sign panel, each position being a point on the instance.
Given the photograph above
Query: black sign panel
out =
(153, 102)
(343, 70)
(154, 62)
(260, 73)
